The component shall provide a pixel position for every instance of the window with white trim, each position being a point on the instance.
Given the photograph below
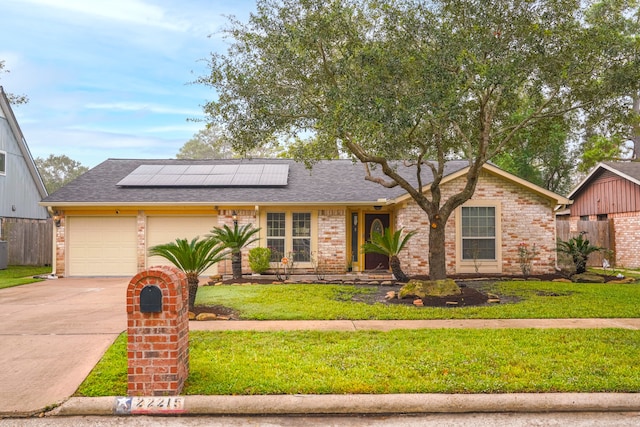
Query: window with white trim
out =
(289, 234)
(3, 163)
(276, 229)
(301, 236)
(478, 233)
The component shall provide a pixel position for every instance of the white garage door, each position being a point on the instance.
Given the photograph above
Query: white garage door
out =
(102, 246)
(166, 229)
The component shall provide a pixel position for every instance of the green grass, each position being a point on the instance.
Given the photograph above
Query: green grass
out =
(399, 361)
(330, 302)
(16, 275)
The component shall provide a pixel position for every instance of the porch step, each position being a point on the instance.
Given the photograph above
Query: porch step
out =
(379, 276)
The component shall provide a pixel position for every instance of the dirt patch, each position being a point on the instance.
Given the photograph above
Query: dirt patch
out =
(224, 313)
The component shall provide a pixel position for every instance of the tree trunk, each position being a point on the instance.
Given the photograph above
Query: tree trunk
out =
(236, 265)
(193, 291)
(394, 263)
(437, 254)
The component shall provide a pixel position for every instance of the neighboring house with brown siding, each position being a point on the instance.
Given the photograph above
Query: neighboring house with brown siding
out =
(611, 192)
(23, 222)
(110, 216)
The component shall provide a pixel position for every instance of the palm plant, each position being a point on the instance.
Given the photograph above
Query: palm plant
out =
(389, 244)
(192, 257)
(235, 239)
(578, 249)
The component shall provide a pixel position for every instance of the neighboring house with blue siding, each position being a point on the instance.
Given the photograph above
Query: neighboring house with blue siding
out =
(24, 224)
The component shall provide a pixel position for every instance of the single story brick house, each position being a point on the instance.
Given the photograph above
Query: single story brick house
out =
(108, 218)
(610, 196)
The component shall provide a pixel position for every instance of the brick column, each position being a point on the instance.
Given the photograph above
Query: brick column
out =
(158, 341)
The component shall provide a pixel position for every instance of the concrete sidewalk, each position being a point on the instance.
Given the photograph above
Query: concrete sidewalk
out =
(54, 332)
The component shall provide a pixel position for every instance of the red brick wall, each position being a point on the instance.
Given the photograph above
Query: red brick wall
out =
(158, 343)
(332, 240)
(524, 216)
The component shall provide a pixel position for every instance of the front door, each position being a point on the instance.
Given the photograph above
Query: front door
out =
(375, 222)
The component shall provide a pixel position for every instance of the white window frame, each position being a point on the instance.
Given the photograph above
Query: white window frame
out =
(479, 265)
(289, 237)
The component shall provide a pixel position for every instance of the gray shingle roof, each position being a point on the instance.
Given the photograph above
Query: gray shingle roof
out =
(631, 169)
(330, 181)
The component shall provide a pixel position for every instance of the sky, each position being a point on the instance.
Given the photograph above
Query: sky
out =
(111, 78)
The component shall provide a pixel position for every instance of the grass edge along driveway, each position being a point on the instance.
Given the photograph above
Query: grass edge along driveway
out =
(399, 361)
(16, 275)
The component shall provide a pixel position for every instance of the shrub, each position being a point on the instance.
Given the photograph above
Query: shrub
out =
(259, 259)
(578, 249)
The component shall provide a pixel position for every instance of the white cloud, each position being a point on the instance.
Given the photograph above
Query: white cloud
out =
(130, 11)
(151, 108)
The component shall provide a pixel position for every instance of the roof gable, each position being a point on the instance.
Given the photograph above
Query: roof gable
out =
(488, 167)
(627, 170)
(7, 113)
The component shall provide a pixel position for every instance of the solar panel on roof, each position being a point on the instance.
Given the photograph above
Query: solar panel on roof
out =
(199, 169)
(238, 175)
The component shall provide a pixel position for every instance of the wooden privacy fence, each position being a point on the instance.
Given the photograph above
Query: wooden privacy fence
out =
(29, 241)
(598, 232)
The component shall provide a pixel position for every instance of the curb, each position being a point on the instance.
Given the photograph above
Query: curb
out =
(352, 404)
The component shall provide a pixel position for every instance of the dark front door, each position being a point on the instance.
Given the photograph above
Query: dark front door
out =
(377, 223)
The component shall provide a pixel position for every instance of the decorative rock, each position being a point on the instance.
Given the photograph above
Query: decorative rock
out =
(223, 318)
(492, 296)
(436, 288)
(387, 283)
(373, 283)
(493, 301)
(192, 315)
(390, 295)
(206, 316)
(562, 280)
(451, 303)
(418, 303)
(587, 278)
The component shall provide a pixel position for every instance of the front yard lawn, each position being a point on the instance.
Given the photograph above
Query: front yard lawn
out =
(16, 275)
(399, 361)
(520, 300)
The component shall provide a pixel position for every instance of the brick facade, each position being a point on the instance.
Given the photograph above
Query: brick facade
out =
(158, 343)
(332, 241)
(524, 217)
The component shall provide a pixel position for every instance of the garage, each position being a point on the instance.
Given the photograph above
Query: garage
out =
(101, 246)
(166, 229)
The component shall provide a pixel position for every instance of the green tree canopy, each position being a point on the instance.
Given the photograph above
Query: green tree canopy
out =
(57, 171)
(615, 25)
(418, 81)
(210, 143)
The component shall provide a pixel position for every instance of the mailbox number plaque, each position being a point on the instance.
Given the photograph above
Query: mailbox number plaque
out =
(149, 405)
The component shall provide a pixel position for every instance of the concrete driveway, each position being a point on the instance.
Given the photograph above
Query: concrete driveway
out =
(52, 334)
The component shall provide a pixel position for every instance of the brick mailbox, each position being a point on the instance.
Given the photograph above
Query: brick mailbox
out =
(158, 332)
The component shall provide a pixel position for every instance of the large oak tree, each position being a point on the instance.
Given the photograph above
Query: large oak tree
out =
(418, 81)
